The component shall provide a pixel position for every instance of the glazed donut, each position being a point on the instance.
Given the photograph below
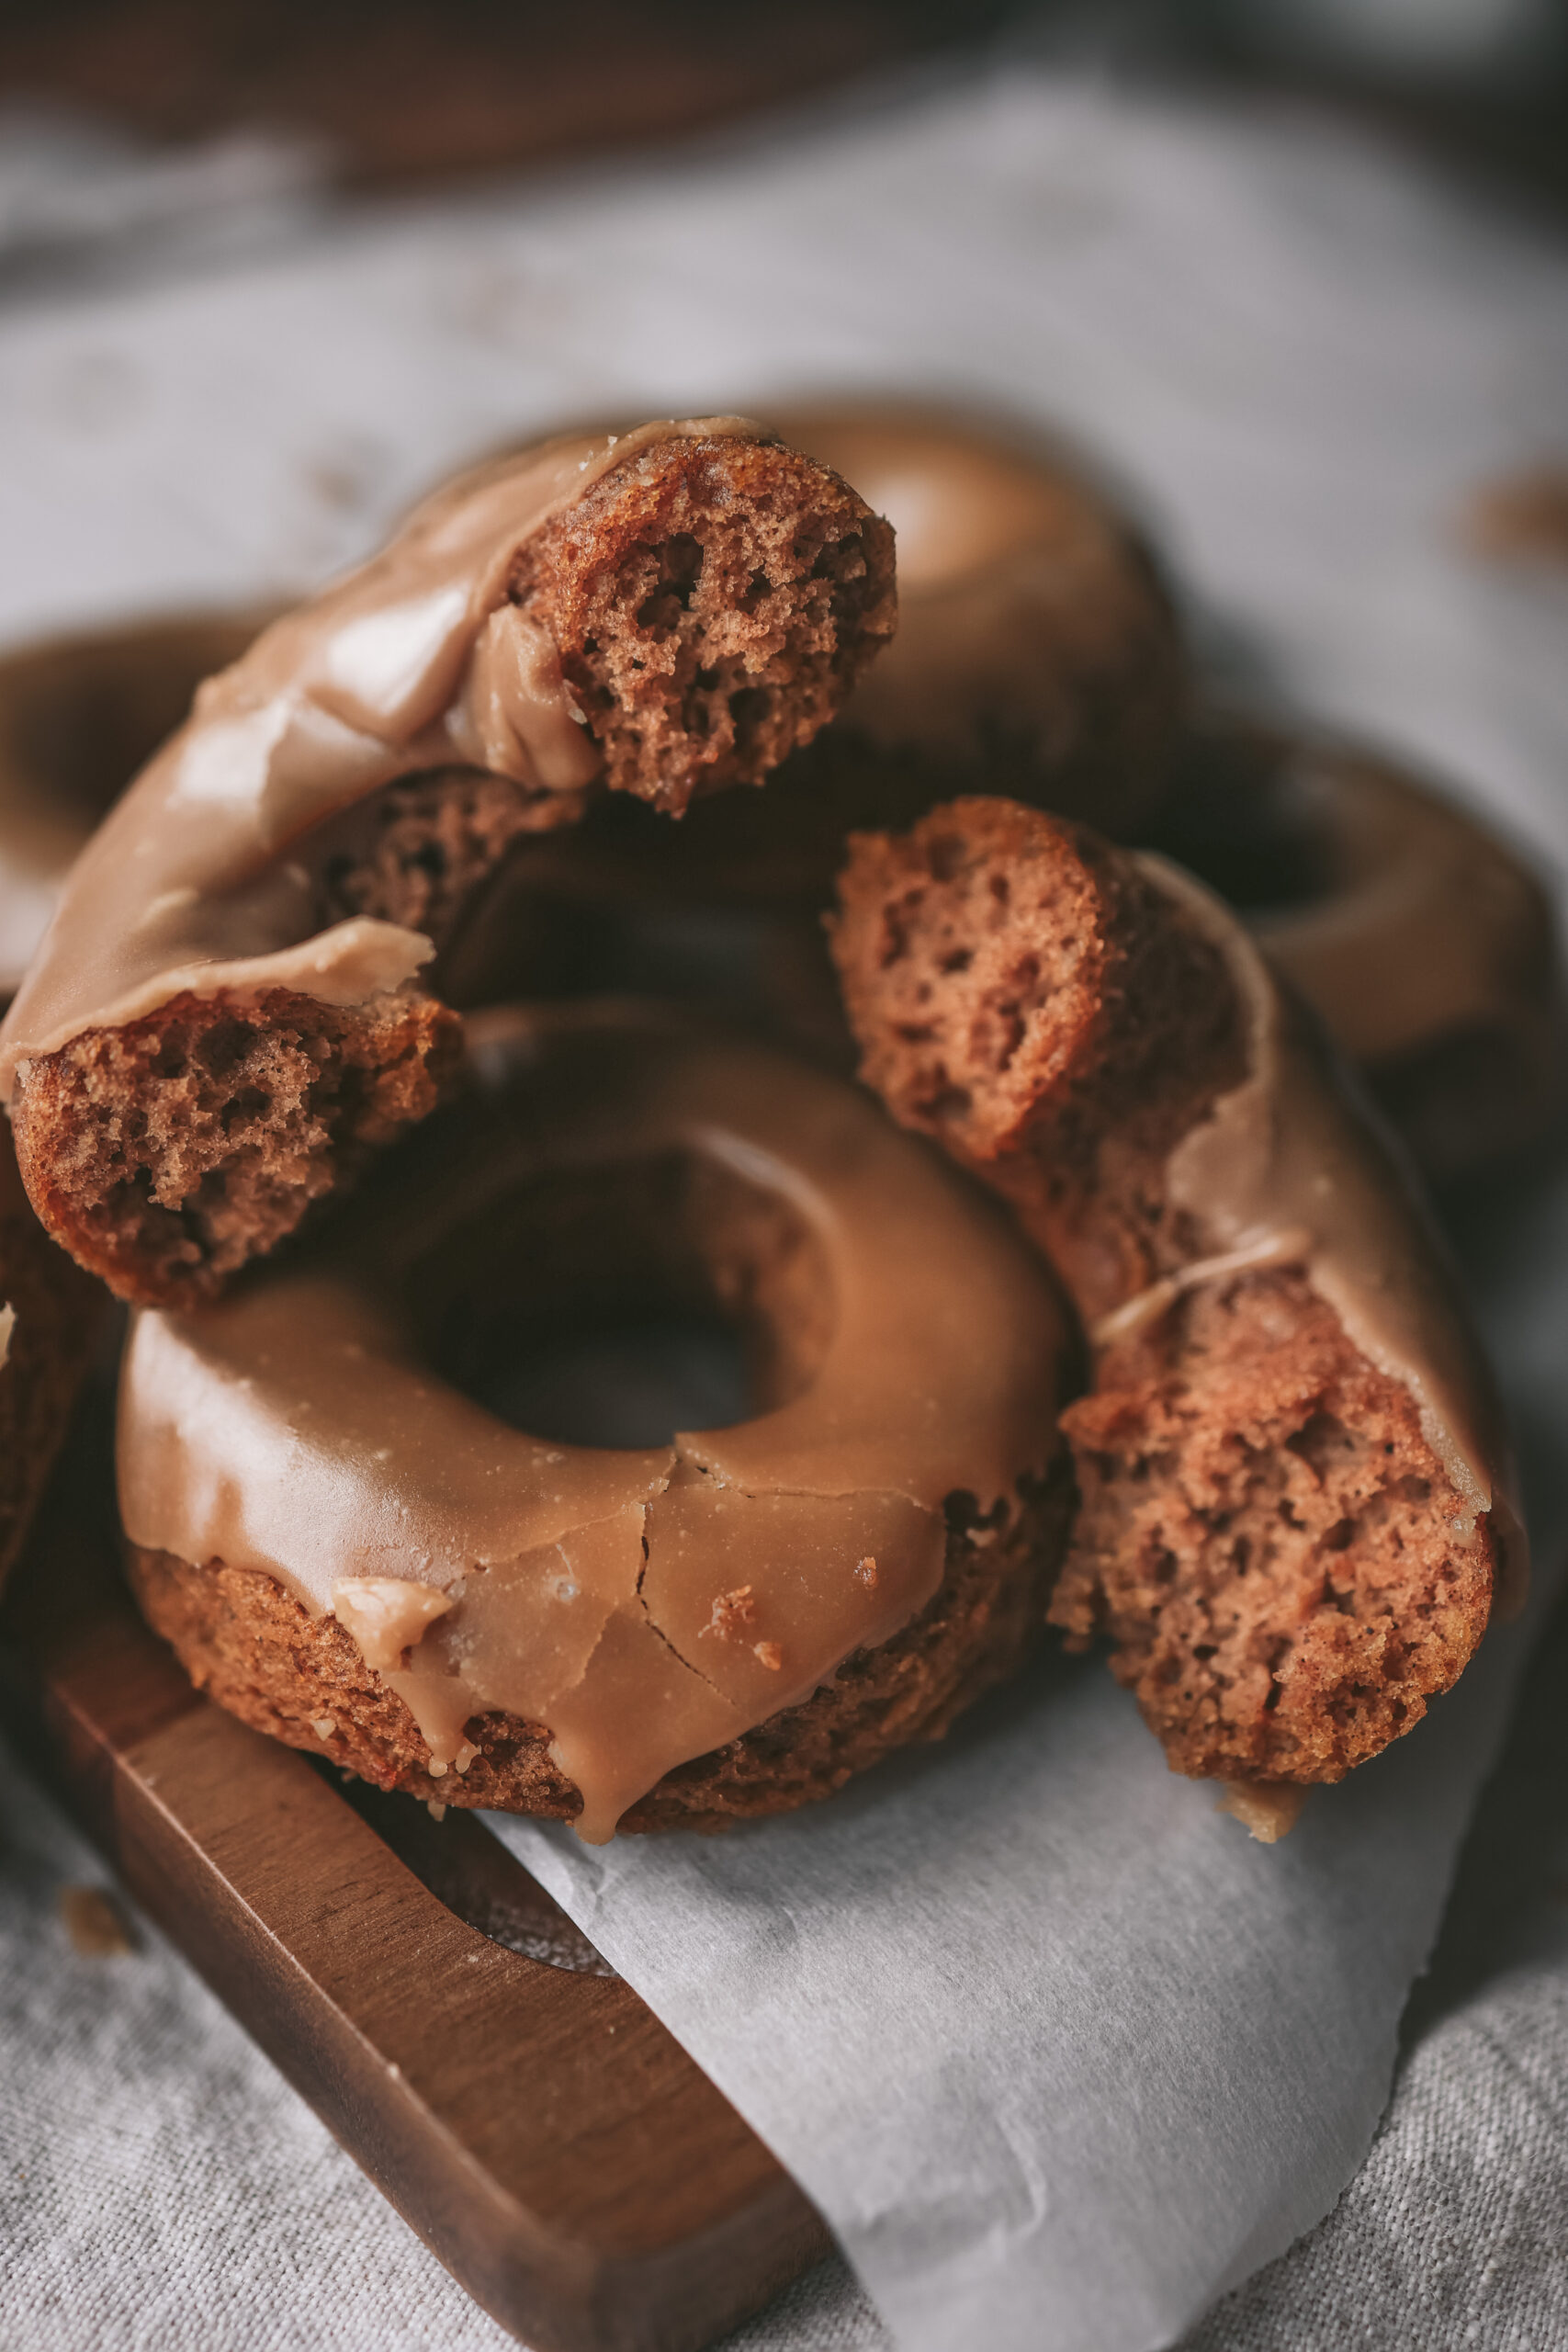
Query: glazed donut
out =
(1037, 652)
(78, 717)
(1029, 615)
(224, 1019)
(1037, 646)
(1293, 1502)
(1427, 949)
(349, 1551)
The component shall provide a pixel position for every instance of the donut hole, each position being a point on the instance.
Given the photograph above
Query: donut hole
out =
(614, 1305)
(622, 1383)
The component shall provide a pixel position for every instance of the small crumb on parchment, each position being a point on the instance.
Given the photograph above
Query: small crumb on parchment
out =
(1521, 518)
(96, 1925)
(768, 1654)
(1267, 1808)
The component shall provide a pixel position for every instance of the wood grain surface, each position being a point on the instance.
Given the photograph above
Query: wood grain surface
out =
(530, 2117)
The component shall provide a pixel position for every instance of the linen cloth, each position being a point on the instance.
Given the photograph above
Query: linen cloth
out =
(161, 2189)
(1301, 356)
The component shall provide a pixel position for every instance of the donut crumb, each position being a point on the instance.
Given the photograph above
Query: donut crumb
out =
(415, 852)
(95, 1923)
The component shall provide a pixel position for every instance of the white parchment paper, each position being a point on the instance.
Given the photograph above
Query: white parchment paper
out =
(1058, 2050)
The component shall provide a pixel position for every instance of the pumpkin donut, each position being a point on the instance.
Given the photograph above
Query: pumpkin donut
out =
(1039, 651)
(1426, 947)
(350, 1548)
(225, 1018)
(1293, 1510)
(78, 715)
(1037, 654)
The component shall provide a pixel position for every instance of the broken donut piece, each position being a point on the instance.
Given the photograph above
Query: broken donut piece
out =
(659, 612)
(1292, 1501)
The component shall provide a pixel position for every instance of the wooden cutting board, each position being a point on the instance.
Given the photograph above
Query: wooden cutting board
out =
(524, 2110)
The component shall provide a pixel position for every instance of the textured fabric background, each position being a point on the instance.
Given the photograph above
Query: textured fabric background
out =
(1246, 319)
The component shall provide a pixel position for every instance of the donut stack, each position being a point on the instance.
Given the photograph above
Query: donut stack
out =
(443, 986)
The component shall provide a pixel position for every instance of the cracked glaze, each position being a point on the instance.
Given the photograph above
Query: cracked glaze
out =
(294, 1430)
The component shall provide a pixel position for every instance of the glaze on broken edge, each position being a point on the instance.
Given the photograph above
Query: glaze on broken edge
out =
(415, 660)
(1277, 1172)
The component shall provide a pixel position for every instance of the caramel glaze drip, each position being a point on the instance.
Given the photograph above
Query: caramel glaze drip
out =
(294, 1429)
(79, 715)
(1274, 1175)
(416, 661)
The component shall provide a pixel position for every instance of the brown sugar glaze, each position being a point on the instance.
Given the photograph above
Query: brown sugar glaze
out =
(79, 715)
(1425, 944)
(1033, 632)
(646, 1604)
(417, 660)
(1280, 1173)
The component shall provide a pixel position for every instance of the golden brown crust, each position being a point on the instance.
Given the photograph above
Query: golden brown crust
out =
(1018, 996)
(258, 1654)
(1265, 1533)
(80, 714)
(165, 1154)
